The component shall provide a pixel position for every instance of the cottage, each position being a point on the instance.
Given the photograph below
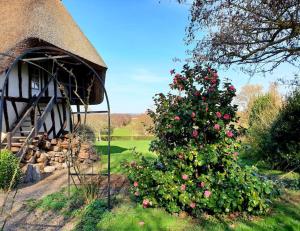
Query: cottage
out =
(47, 67)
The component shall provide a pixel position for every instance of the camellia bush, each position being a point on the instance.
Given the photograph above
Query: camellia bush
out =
(196, 169)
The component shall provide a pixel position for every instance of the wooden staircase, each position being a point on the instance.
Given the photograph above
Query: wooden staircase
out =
(18, 135)
(27, 127)
(29, 123)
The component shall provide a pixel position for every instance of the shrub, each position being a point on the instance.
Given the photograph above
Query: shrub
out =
(10, 172)
(284, 148)
(196, 168)
(263, 112)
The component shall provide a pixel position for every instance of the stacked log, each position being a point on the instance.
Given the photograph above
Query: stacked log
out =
(51, 154)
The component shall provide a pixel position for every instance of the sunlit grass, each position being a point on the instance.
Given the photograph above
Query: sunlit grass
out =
(123, 131)
(133, 217)
(122, 150)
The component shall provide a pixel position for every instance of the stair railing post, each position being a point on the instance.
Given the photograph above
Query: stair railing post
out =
(9, 140)
(35, 122)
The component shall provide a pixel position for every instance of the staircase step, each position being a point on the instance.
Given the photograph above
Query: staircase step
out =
(19, 137)
(15, 149)
(24, 132)
(13, 144)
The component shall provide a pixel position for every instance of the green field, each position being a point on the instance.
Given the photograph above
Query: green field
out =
(123, 131)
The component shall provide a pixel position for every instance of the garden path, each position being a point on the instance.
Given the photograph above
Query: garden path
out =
(21, 218)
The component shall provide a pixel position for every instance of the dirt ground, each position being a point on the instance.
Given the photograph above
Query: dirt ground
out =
(22, 219)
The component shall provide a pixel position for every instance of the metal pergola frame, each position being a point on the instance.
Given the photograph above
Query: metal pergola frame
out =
(60, 53)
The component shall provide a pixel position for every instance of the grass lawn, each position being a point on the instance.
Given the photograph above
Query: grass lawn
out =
(128, 216)
(122, 150)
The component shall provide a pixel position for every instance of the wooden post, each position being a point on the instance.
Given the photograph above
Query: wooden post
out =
(35, 123)
(9, 140)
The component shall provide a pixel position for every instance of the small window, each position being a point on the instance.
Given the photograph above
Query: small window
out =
(35, 79)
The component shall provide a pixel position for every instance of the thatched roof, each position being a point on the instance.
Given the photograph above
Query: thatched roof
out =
(28, 23)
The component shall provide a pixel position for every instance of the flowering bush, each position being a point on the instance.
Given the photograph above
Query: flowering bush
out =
(196, 168)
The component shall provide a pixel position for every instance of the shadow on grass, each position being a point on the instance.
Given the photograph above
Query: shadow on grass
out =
(103, 149)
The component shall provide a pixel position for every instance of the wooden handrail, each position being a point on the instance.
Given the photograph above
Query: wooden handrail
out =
(36, 128)
(39, 123)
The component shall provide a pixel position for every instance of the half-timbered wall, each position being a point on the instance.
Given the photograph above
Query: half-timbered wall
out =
(17, 97)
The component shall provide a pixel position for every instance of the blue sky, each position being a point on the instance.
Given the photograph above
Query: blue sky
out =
(138, 39)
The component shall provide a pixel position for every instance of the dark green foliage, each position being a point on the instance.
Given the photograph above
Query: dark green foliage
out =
(10, 172)
(196, 169)
(284, 148)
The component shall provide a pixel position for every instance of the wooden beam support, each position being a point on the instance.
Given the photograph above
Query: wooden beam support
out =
(6, 115)
(20, 78)
(46, 58)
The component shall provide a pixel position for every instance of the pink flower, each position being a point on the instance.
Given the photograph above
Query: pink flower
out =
(195, 134)
(135, 184)
(229, 134)
(177, 118)
(136, 194)
(183, 187)
(193, 115)
(218, 114)
(145, 203)
(215, 75)
(172, 72)
(206, 78)
(201, 184)
(217, 127)
(231, 88)
(207, 193)
(193, 205)
(184, 177)
(226, 116)
(203, 98)
(213, 81)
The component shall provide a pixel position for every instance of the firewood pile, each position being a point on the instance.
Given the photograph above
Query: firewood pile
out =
(50, 154)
